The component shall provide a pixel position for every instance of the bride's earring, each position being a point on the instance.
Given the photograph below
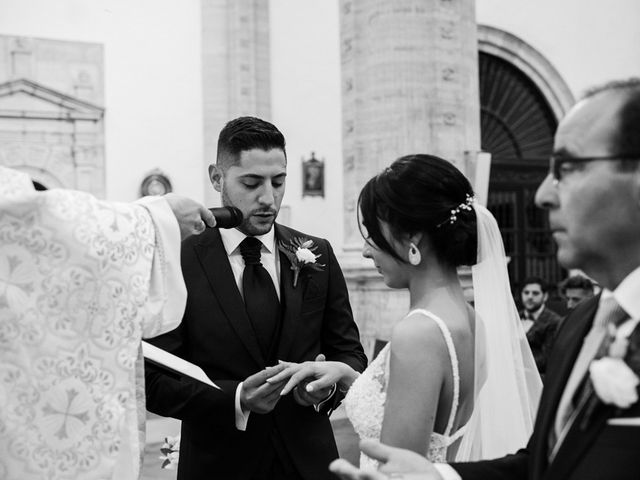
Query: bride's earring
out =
(414, 254)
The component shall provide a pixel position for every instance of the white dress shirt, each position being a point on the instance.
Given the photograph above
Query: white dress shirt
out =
(527, 323)
(269, 257)
(627, 294)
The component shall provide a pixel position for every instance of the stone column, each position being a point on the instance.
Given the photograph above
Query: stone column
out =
(409, 85)
(235, 69)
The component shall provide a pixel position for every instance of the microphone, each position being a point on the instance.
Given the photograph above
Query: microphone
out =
(227, 217)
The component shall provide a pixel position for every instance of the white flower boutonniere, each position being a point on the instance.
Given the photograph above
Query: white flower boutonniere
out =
(614, 382)
(299, 251)
(615, 377)
(170, 453)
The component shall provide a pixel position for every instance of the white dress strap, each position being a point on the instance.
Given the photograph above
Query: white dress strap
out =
(454, 365)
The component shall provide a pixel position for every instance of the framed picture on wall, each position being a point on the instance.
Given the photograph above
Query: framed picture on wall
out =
(312, 177)
(155, 183)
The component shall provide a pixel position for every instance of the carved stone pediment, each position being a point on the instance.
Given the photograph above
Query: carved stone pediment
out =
(27, 99)
(56, 138)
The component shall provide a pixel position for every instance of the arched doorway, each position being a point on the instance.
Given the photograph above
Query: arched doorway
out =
(517, 128)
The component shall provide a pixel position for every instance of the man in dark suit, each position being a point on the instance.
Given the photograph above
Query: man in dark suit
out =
(592, 195)
(250, 304)
(539, 322)
(576, 289)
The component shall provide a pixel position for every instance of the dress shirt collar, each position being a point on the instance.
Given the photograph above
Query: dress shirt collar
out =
(627, 294)
(232, 237)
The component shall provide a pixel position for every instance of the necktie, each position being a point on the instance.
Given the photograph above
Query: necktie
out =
(595, 345)
(260, 297)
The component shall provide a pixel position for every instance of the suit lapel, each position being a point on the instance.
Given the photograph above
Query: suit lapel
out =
(215, 263)
(577, 440)
(290, 297)
(565, 352)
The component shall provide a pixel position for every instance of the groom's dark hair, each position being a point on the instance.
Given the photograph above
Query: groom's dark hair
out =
(247, 133)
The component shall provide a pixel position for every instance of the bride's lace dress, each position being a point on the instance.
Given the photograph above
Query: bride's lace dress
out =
(364, 403)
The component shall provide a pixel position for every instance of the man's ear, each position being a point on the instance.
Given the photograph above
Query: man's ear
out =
(545, 297)
(216, 177)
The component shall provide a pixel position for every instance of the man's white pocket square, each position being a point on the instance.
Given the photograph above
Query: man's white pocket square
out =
(625, 422)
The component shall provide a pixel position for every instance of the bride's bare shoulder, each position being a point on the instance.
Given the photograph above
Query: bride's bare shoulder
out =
(418, 333)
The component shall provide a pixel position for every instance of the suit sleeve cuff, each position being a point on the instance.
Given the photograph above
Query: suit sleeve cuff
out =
(242, 417)
(447, 472)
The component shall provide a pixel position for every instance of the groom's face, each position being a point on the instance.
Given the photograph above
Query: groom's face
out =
(255, 184)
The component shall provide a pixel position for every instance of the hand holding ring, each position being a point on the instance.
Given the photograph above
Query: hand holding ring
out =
(200, 226)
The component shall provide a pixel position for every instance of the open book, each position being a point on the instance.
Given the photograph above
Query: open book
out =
(174, 364)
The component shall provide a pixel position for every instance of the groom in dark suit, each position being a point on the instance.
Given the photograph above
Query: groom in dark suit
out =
(592, 195)
(250, 304)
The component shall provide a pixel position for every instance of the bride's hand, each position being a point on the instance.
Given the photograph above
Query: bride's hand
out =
(319, 375)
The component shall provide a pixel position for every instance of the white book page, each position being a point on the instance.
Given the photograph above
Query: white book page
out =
(624, 422)
(180, 365)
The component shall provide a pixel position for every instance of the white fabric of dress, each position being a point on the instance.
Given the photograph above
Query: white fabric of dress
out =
(81, 281)
(365, 400)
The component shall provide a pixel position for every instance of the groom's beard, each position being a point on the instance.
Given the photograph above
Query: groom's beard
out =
(255, 222)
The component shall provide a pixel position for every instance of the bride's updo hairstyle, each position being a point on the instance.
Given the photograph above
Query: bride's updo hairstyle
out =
(417, 193)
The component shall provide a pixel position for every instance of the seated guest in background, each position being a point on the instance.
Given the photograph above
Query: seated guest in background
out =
(576, 289)
(81, 281)
(539, 321)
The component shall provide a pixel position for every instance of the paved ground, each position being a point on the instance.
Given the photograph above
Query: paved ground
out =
(158, 427)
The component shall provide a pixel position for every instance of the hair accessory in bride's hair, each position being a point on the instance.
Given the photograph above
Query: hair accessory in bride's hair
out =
(464, 206)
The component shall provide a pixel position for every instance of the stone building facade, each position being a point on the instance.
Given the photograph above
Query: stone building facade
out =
(51, 121)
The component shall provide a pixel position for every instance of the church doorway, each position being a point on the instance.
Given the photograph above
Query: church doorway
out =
(517, 128)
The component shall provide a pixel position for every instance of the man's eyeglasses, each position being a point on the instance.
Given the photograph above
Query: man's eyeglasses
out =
(557, 161)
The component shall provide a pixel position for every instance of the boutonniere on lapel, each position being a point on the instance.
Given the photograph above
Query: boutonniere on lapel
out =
(299, 251)
(170, 453)
(615, 377)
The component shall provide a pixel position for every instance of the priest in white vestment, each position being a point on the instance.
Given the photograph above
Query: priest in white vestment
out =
(81, 282)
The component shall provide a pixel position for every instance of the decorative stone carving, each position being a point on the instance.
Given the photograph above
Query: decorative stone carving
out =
(57, 136)
(448, 74)
(449, 118)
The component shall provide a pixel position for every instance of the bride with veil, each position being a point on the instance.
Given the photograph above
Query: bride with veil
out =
(455, 382)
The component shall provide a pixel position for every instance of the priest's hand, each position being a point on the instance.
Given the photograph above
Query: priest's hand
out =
(193, 218)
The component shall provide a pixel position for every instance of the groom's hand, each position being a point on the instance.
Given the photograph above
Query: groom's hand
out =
(259, 396)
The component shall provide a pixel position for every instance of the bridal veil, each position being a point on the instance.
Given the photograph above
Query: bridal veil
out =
(507, 383)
